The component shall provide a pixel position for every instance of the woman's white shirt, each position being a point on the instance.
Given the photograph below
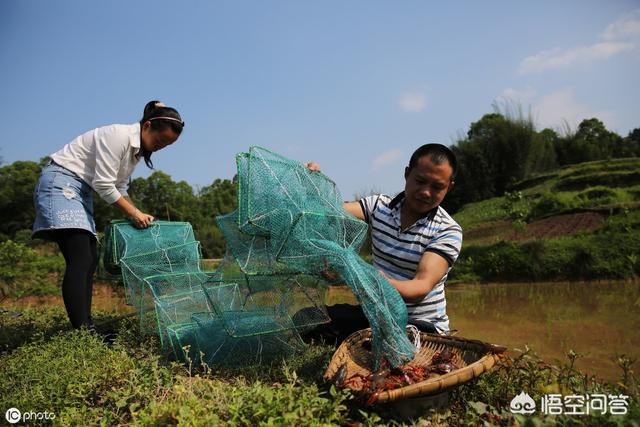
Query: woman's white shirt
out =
(104, 158)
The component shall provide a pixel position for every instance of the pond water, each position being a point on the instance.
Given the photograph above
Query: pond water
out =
(598, 320)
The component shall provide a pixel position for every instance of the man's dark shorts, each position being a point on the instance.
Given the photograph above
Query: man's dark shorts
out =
(345, 320)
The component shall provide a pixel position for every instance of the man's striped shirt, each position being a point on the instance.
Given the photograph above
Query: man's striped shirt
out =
(398, 252)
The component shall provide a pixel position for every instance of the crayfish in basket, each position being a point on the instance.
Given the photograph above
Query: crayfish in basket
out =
(386, 378)
(442, 362)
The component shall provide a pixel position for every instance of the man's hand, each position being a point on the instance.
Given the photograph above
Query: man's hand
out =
(383, 274)
(312, 166)
(431, 270)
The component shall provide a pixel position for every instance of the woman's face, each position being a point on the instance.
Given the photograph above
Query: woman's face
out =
(154, 140)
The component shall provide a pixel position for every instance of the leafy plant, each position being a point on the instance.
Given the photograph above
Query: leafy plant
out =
(24, 272)
(86, 382)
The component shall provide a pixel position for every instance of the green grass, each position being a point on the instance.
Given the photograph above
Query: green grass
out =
(618, 169)
(613, 252)
(591, 185)
(25, 271)
(478, 213)
(86, 382)
(606, 253)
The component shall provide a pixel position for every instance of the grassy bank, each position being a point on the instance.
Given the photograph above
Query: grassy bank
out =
(605, 185)
(86, 382)
(26, 271)
(536, 232)
(602, 255)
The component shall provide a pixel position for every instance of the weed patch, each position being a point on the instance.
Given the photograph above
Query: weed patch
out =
(24, 272)
(85, 382)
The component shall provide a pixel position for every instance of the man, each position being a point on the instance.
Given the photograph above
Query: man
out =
(414, 243)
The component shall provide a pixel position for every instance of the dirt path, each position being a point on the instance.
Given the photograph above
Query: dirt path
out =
(555, 226)
(106, 298)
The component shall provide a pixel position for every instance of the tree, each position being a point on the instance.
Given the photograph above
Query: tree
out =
(163, 198)
(17, 183)
(158, 195)
(219, 198)
(495, 154)
(542, 153)
(592, 141)
(630, 145)
(166, 199)
(475, 176)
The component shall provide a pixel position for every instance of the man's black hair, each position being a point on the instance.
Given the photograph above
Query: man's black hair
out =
(438, 153)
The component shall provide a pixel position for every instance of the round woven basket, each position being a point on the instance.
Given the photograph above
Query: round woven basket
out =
(472, 357)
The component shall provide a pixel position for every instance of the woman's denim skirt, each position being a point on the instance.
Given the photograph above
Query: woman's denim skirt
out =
(62, 200)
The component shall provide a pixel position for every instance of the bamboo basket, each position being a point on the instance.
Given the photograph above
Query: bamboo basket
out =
(473, 357)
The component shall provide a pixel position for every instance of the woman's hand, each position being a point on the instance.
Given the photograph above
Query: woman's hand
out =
(137, 218)
(141, 219)
(313, 166)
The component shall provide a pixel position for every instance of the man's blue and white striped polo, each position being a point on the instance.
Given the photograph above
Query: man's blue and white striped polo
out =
(397, 252)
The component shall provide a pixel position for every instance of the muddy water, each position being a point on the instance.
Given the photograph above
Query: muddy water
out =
(597, 320)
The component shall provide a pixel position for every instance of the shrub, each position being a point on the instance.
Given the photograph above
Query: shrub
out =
(486, 400)
(201, 401)
(80, 379)
(548, 204)
(611, 254)
(85, 382)
(598, 196)
(634, 193)
(21, 327)
(24, 272)
(516, 206)
(612, 179)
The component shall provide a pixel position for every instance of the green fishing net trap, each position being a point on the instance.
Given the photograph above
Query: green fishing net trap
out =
(286, 242)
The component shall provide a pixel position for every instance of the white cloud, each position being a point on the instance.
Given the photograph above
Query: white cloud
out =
(560, 107)
(619, 36)
(625, 28)
(413, 101)
(387, 158)
(521, 96)
(557, 58)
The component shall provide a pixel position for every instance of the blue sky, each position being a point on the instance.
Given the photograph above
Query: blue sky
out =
(353, 85)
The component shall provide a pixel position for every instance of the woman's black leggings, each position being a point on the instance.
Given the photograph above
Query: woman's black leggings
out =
(80, 253)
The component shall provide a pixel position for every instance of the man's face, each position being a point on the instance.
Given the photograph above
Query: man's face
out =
(426, 184)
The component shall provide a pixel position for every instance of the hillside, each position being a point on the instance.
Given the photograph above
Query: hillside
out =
(577, 212)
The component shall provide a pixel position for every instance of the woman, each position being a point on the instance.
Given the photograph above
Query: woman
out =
(103, 160)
